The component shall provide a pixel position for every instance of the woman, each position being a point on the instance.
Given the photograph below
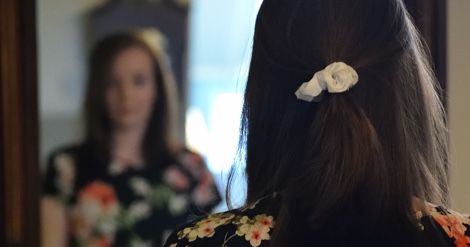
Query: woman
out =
(127, 183)
(344, 131)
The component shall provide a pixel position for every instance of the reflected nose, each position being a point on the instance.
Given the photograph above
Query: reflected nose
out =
(125, 96)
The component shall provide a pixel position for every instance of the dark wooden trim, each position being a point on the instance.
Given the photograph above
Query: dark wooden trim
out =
(19, 169)
(11, 197)
(30, 121)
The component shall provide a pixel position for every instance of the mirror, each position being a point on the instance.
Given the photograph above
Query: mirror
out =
(208, 71)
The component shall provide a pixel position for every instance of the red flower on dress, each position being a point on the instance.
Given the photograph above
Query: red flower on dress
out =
(454, 225)
(101, 192)
(256, 234)
(94, 218)
(101, 242)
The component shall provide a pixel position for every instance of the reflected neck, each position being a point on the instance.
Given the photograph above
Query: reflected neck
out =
(126, 146)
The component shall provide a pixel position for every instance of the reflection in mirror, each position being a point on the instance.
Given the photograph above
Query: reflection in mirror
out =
(111, 74)
(66, 32)
(128, 176)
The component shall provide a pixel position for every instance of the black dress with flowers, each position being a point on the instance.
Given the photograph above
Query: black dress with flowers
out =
(139, 206)
(253, 226)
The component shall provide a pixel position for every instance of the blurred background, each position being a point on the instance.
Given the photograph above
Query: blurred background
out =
(209, 47)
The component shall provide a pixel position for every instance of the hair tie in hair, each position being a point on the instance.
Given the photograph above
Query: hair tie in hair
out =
(337, 77)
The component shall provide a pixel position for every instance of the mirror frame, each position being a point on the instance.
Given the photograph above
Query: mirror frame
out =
(19, 180)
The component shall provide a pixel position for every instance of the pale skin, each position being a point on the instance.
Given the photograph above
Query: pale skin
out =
(129, 99)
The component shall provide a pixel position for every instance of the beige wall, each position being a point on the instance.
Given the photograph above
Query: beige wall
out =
(459, 101)
(61, 66)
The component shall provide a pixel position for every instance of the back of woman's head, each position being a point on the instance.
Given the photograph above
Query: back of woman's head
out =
(355, 160)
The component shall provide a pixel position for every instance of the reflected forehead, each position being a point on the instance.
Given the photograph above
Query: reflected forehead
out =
(132, 59)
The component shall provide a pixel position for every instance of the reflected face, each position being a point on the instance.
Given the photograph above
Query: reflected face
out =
(130, 94)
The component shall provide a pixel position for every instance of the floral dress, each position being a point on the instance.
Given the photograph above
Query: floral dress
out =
(139, 206)
(252, 226)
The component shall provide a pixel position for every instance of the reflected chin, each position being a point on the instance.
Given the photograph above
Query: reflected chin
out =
(126, 123)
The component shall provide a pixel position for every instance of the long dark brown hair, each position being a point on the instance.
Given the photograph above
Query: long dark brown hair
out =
(349, 166)
(160, 140)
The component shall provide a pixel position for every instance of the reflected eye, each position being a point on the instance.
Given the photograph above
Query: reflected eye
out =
(140, 80)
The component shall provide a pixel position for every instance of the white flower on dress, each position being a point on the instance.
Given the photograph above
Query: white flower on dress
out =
(189, 233)
(85, 216)
(115, 169)
(256, 234)
(255, 230)
(139, 210)
(243, 227)
(137, 242)
(65, 167)
(178, 204)
(140, 186)
(89, 209)
(265, 220)
(206, 229)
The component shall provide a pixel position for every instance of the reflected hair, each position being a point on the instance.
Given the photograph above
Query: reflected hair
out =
(349, 166)
(160, 139)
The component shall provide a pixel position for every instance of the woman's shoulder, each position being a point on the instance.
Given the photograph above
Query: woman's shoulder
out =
(64, 158)
(251, 225)
(68, 158)
(68, 166)
(65, 149)
(455, 225)
(85, 154)
(59, 177)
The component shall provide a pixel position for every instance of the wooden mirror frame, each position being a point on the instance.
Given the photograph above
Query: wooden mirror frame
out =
(19, 169)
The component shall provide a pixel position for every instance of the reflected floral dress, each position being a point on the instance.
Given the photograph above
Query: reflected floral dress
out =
(135, 206)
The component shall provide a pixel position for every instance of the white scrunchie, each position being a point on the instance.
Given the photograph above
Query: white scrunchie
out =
(337, 77)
